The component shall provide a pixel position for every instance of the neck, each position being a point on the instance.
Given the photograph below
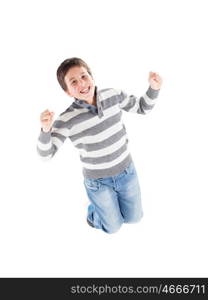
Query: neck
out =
(93, 101)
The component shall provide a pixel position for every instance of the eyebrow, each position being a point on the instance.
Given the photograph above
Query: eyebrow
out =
(74, 78)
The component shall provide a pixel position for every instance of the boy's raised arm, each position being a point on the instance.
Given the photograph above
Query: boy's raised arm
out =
(145, 103)
(51, 137)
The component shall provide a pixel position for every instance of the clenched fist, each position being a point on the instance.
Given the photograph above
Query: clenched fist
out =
(46, 119)
(155, 80)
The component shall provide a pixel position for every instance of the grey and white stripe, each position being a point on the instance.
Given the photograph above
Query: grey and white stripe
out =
(100, 137)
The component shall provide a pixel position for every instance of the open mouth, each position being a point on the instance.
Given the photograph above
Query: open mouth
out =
(85, 91)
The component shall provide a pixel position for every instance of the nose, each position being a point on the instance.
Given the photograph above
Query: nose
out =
(81, 83)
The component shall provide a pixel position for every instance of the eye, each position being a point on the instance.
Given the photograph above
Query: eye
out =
(73, 82)
(84, 76)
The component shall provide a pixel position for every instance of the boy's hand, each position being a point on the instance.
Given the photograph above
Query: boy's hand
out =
(155, 80)
(46, 119)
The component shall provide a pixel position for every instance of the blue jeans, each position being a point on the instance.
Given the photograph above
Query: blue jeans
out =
(114, 200)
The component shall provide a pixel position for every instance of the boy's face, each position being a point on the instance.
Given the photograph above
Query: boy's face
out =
(80, 84)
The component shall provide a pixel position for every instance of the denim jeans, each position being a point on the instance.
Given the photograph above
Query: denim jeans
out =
(114, 200)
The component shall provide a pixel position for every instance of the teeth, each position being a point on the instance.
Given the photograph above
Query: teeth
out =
(85, 91)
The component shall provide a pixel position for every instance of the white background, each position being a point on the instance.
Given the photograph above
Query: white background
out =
(43, 229)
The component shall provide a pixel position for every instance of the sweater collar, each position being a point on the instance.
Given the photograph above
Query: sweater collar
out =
(94, 109)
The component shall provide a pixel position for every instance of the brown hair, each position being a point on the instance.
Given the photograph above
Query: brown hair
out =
(68, 64)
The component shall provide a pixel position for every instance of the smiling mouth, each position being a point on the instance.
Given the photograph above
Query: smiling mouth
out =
(85, 91)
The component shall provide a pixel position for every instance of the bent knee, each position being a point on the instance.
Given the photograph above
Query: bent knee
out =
(134, 218)
(111, 228)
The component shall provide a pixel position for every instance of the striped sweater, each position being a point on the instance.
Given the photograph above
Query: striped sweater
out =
(97, 131)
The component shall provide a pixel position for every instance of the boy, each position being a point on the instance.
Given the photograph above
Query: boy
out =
(93, 124)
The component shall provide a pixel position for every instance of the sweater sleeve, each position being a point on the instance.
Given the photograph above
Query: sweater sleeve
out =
(49, 142)
(142, 105)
